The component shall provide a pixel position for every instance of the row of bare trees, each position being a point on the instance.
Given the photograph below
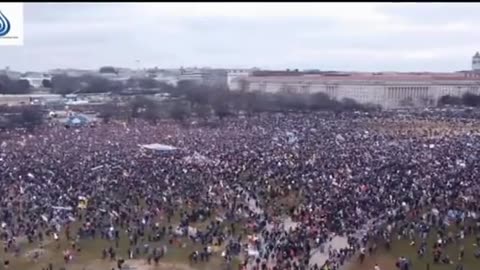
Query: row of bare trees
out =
(64, 84)
(21, 117)
(468, 99)
(13, 86)
(189, 99)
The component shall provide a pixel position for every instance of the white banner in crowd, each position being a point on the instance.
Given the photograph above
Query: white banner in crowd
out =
(158, 147)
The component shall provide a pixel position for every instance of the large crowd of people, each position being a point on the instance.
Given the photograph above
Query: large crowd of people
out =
(343, 171)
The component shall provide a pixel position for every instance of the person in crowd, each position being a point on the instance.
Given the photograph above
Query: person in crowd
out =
(344, 174)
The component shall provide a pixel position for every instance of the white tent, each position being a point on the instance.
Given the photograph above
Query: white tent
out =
(197, 158)
(66, 208)
(158, 147)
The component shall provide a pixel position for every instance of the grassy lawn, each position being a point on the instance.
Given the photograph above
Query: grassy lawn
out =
(90, 256)
(386, 260)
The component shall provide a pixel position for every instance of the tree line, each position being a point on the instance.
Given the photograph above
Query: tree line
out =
(202, 102)
(186, 100)
(21, 116)
(201, 96)
(467, 99)
(64, 84)
(13, 86)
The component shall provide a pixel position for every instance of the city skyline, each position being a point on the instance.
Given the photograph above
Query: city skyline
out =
(340, 36)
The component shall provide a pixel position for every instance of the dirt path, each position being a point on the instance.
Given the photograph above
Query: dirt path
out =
(131, 265)
(142, 265)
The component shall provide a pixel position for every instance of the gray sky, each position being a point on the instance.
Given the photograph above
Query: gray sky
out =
(337, 36)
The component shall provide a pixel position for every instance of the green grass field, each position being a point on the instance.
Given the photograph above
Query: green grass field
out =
(90, 256)
(91, 251)
(386, 260)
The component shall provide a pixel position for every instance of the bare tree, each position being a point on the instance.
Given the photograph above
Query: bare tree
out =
(178, 112)
(63, 84)
(9, 86)
(31, 116)
(203, 111)
(471, 100)
(108, 111)
(220, 100)
(426, 101)
(145, 108)
(244, 85)
(449, 100)
(407, 102)
(47, 83)
(108, 69)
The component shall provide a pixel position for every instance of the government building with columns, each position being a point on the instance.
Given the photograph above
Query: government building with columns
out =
(388, 89)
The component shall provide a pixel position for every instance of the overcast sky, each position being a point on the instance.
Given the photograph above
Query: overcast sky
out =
(339, 36)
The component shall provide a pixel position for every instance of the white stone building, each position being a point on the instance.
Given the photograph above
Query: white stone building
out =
(192, 75)
(390, 90)
(36, 78)
(72, 72)
(119, 77)
(234, 76)
(205, 76)
(164, 76)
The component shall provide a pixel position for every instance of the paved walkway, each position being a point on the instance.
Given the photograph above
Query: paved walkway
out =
(316, 255)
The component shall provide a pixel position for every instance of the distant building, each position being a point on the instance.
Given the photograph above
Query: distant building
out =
(36, 78)
(115, 77)
(389, 90)
(166, 76)
(191, 75)
(234, 76)
(476, 62)
(71, 72)
(215, 78)
(122, 74)
(210, 77)
(28, 99)
(277, 73)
